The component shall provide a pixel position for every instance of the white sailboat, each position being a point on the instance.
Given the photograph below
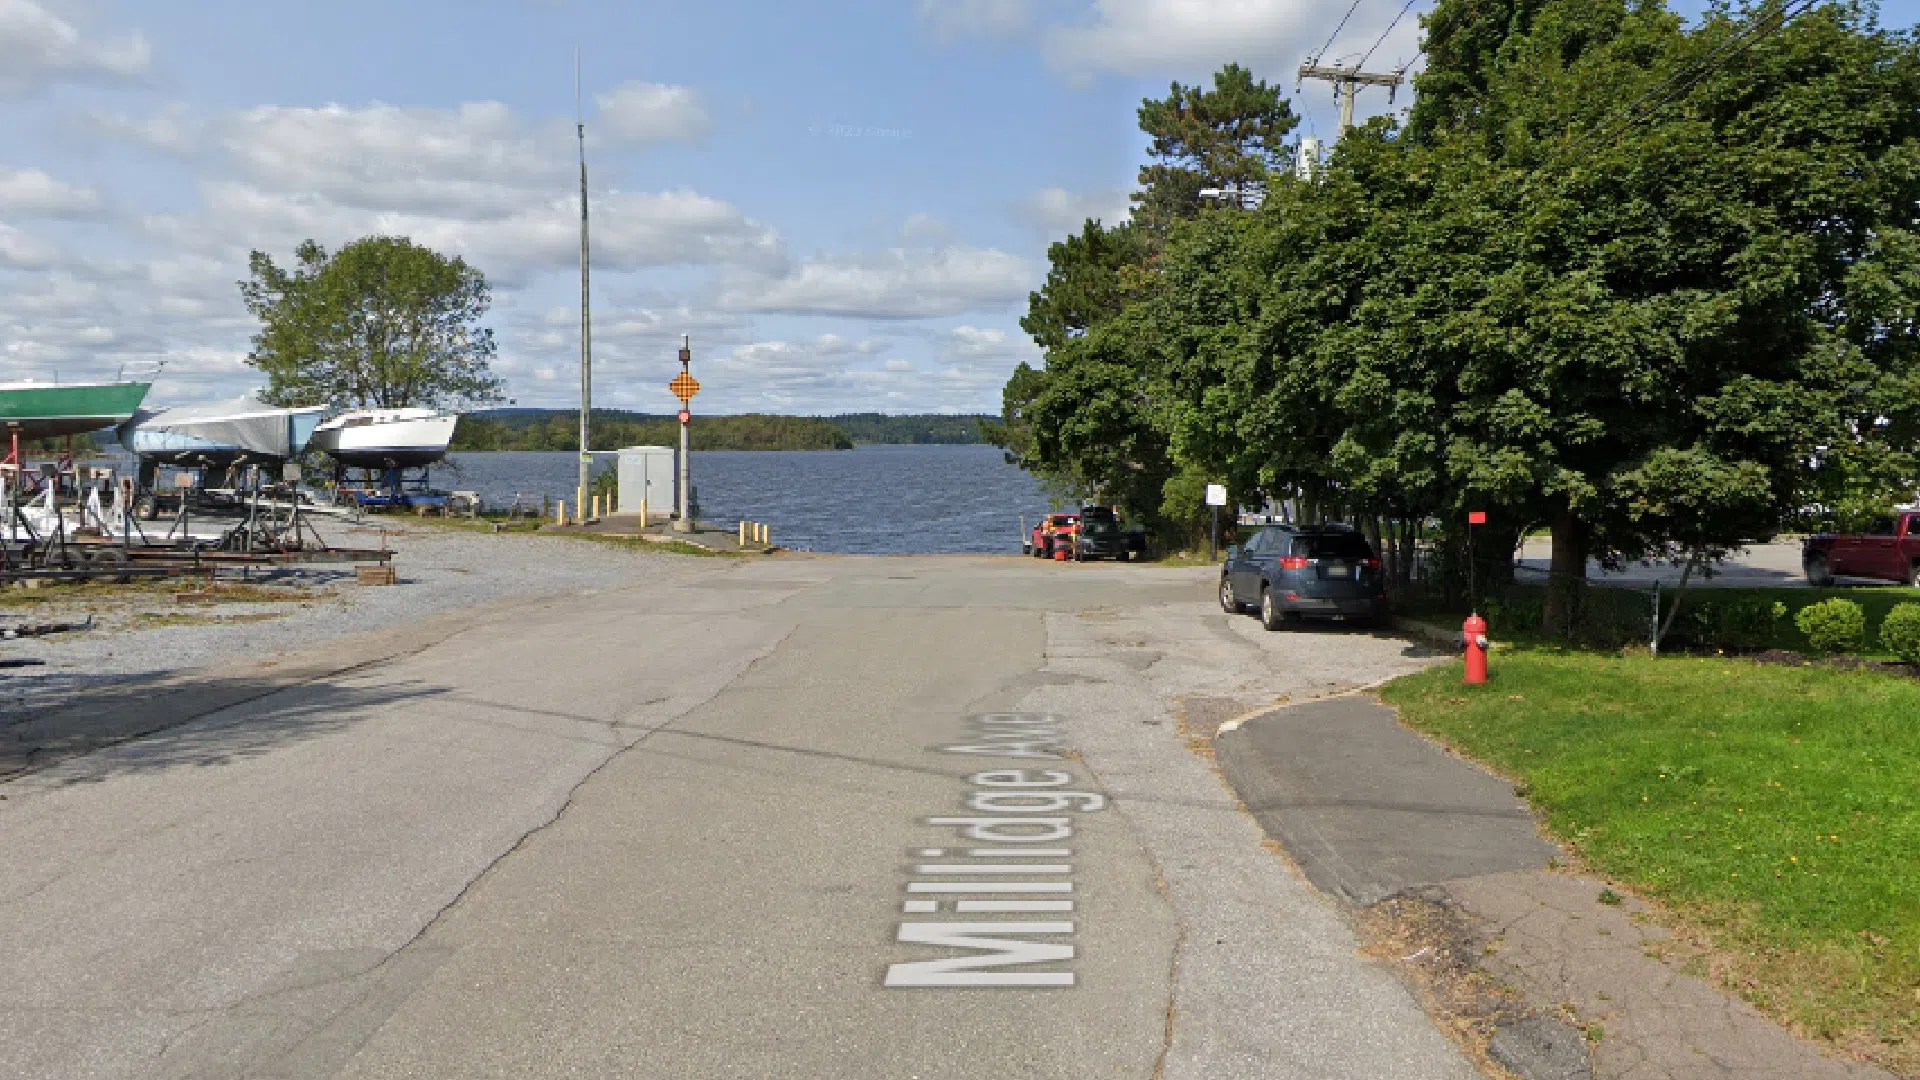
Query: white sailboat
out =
(386, 438)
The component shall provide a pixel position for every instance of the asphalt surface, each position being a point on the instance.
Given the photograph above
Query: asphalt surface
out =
(810, 817)
(1369, 808)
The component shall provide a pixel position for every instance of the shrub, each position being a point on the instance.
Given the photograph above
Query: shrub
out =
(1900, 632)
(1832, 626)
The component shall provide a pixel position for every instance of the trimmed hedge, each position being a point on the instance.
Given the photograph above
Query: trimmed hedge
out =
(1900, 632)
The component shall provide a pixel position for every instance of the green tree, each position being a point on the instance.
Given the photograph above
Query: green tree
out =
(1228, 137)
(380, 323)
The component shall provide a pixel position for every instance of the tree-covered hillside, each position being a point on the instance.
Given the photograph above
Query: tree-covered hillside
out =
(558, 429)
(547, 429)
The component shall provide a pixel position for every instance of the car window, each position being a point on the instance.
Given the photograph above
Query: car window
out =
(1332, 546)
(1263, 542)
(1882, 527)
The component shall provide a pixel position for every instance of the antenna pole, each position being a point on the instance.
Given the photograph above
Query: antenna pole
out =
(586, 311)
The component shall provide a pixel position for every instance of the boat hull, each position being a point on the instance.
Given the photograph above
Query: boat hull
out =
(45, 412)
(397, 444)
(208, 436)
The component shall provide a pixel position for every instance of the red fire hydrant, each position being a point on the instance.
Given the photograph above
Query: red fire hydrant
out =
(1475, 632)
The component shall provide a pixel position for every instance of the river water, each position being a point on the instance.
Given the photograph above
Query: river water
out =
(872, 500)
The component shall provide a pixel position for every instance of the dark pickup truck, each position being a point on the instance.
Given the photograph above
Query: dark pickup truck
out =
(1889, 551)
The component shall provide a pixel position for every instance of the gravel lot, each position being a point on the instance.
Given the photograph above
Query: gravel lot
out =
(142, 630)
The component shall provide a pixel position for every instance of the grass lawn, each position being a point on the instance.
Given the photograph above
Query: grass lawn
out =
(1776, 809)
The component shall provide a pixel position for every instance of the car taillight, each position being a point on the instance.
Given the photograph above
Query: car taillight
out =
(1294, 562)
(1371, 563)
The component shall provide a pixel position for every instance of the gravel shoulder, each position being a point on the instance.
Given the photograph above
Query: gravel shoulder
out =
(141, 631)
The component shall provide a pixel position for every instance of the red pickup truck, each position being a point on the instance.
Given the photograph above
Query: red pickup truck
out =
(1890, 550)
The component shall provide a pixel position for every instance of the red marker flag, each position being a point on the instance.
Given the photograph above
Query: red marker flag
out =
(1476, 517)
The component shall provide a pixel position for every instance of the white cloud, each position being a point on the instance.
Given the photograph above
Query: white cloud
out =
(173, 130)
(32, 193)
(950, 19)
(898, 365)
(923, 228)
(986, 348)
(477, 160)
(20, 251)
(1147, 37)
(897, 284)
(39, 48)
(1057, 210)
(653, 112)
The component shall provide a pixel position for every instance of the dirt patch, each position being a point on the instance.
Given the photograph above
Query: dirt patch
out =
(1435, 948)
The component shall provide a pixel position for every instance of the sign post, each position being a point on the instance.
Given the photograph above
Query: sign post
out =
(1474, 517)
(684, 386)
(1216, 498)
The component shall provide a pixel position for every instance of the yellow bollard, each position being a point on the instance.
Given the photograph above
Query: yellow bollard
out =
(580, 504)
(743, 534)
(643, 513)
(560, 512)
(766, 535)
(596, 506)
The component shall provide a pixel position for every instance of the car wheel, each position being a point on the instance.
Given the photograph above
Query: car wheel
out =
(1227, 603)
(1271, 617)
(1818, 573)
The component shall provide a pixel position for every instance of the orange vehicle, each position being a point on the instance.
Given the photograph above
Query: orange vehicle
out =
(1054, 532)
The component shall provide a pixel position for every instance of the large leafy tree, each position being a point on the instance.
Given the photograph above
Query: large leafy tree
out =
(382, 322)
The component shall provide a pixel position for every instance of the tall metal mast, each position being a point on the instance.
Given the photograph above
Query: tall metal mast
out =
(586, 315)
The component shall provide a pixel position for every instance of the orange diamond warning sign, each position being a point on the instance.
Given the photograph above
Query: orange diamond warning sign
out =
(684, 386)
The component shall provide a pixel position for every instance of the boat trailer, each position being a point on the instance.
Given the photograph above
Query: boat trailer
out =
(98, 540)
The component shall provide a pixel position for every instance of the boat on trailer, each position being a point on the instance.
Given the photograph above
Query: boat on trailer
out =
(220, 435)
(386, 438)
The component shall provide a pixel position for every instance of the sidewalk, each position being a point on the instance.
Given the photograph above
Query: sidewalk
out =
(1444, 858)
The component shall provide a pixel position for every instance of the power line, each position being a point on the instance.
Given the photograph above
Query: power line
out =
(1383, 34)
(1336, 32)
(1713, 60)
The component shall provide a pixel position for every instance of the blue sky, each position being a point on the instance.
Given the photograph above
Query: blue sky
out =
(844, 204)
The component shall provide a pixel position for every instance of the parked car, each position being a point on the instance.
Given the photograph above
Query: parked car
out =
(1053, 531)
(1890, 551)
(1287, 572)
(1100, 535)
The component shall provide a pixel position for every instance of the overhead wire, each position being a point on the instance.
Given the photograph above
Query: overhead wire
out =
(1336, 32)
(1408, 6)
(1672, 88)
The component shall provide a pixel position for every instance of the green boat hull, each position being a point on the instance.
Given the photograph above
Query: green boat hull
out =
(45, 412)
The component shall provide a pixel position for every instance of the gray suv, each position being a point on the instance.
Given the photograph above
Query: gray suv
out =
(1288, 571)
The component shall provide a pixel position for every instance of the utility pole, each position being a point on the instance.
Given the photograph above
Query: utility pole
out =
(586, 317)
(1346, 80)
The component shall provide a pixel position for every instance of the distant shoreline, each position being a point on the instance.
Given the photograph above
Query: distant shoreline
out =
(558, 430)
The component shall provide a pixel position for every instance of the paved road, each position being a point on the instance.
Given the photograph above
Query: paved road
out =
(808, 817)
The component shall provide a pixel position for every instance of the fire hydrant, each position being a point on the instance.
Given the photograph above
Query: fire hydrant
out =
(1474, 630)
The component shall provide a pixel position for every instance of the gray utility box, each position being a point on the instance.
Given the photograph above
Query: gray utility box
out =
(647, 472)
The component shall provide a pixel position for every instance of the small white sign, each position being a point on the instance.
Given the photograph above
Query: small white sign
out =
(1216, 494)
